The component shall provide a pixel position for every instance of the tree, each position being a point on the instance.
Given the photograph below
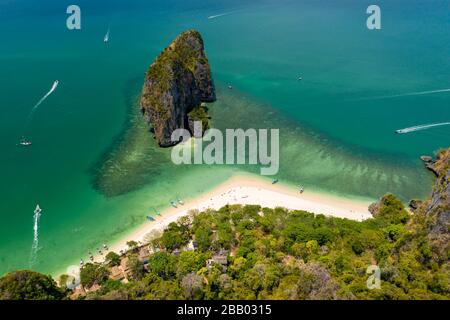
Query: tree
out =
(136, 267)
(312, 246)
(190, 261)
(162, 264)
(390, 210)
(29, 285)
(132, 245)
(113, 258)
(357, 246)
(92, 274)
(175, 236)
(203, 238)
(192, 285)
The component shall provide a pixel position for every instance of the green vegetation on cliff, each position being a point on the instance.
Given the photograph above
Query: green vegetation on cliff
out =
(177, 82)
(29, 285)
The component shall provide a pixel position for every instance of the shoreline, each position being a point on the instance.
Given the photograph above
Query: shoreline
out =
(247, 189)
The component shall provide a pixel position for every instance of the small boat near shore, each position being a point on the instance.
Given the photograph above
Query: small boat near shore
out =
(173, 204)
(150, 218)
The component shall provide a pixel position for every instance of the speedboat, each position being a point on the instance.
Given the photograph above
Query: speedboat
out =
(400, 131)
(38, 210)
(274, 181)
(25, 143)
(173, 203)
(150, 218)
(180, 201)
(106, 38)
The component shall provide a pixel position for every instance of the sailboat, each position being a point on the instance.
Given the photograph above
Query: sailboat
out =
(38, 210)
(106, 38)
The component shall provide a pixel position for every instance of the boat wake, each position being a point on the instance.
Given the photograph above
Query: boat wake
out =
(421, 127)
(36, 106)
(220, 15)
(35, 245)
(410, 94)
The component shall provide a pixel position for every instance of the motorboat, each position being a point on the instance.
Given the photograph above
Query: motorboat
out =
(37, 210)
(106, 38)
(25, 143)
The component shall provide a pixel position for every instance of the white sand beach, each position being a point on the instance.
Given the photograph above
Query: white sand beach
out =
(244, 189)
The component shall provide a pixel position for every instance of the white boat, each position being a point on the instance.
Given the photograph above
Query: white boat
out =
(38, 210)
(25, 143)
(106, 38)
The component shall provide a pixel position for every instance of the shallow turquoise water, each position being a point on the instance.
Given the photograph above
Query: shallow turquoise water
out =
(334, 136)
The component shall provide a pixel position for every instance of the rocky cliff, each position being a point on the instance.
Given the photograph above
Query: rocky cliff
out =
(176, 84)
(438, 207)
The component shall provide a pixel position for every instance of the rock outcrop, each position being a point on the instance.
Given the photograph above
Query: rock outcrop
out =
(429, 164)
(439, 206)
(175, 86)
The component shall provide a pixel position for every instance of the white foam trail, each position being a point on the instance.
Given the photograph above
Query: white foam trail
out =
(52, 89)
(35, 245)
(418, 93)
(422, 127)
(220, 15)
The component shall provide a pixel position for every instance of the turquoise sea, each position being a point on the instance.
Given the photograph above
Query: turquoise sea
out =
(96, 171)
